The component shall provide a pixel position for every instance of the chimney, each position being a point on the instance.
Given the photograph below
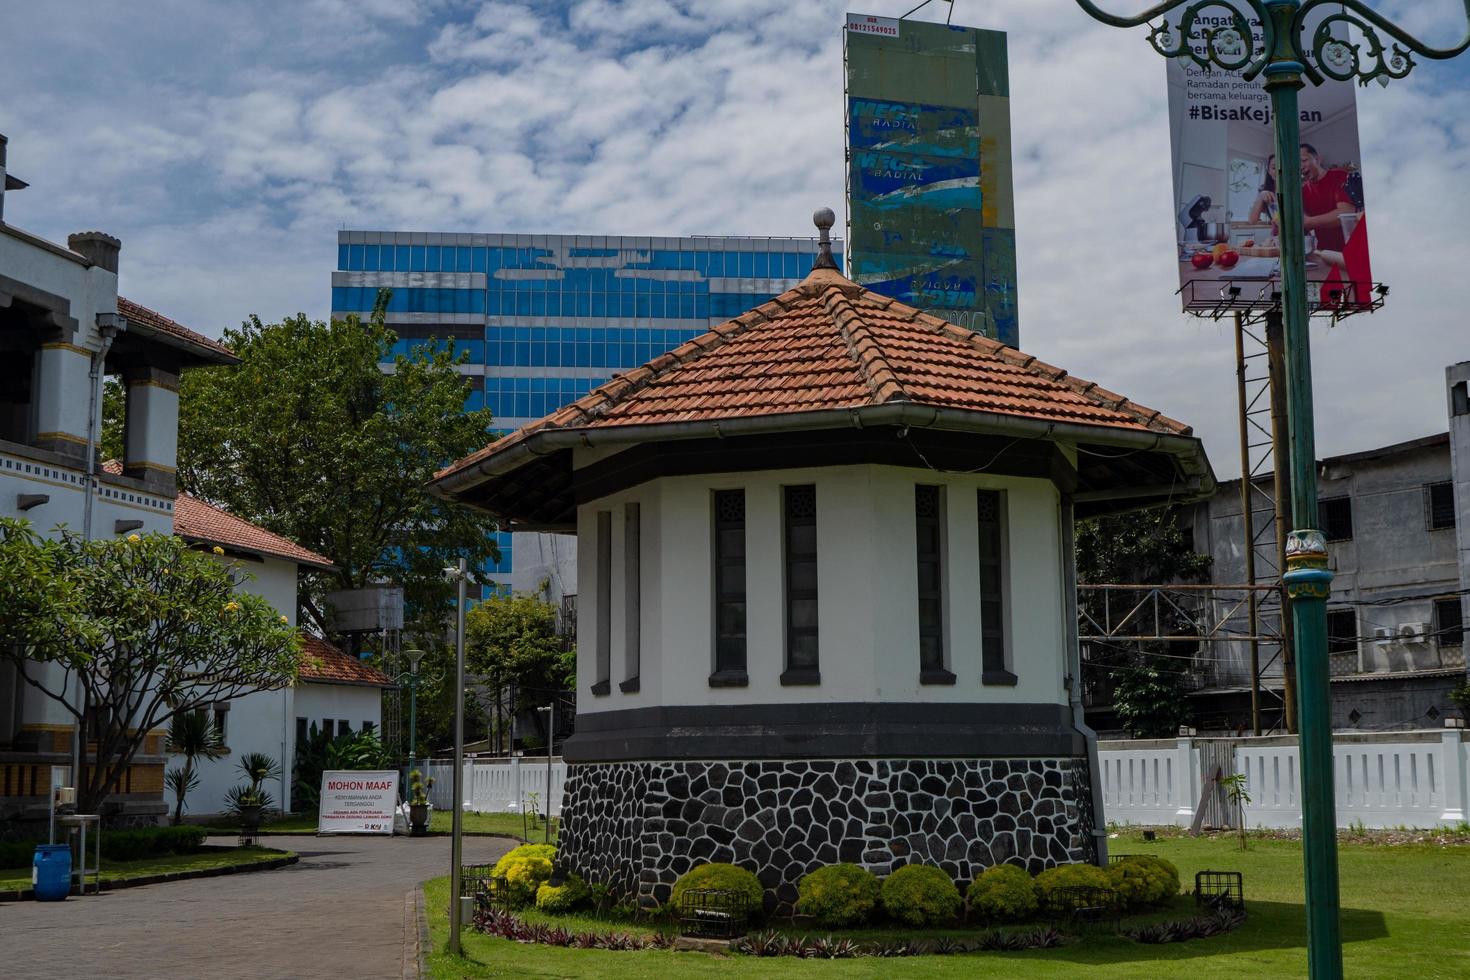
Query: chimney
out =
(7, 182)
(98, 246)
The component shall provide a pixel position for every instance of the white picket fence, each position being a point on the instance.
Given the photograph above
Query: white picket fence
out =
(499, 785)
(1399, 779)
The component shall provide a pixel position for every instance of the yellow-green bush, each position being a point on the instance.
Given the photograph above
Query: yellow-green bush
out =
(524, 869)
(1143, 879)
(1071, 876)
(566, 897)
(920, 895)
(838, 895)
(1004, 893)
(726, 877)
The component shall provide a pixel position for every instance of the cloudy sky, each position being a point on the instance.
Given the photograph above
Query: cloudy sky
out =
(225, 143)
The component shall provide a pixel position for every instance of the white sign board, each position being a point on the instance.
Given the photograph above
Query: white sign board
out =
(864, 24)
(358, 802)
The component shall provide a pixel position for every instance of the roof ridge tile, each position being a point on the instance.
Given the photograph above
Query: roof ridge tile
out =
(864, 348)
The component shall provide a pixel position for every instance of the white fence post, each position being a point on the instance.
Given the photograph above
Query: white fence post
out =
(515, 784)
(1456, 776)
(1186, 781)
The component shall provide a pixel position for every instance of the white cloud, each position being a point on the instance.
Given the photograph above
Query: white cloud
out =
(226, 144)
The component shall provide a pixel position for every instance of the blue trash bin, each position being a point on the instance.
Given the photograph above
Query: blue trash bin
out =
(51, 872)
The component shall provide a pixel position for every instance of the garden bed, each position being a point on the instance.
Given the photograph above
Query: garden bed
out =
(207, 862)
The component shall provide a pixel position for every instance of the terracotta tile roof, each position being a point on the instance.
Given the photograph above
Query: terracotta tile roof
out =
(151, 320)
(194, 520)
(831, 344)
(322, 663)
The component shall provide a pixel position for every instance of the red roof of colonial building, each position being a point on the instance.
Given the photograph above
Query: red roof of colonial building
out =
(322, 663)
(830, 354)
(141, 319)
(194, 520)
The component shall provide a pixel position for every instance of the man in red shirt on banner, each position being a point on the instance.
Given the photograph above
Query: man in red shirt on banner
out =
(1342, 245)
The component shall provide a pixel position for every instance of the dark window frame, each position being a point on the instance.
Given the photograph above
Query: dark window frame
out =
(798, 511)
(602, 636)
(1439, 515)
(632, 597)
(1449, 633)
(995, 632)
(731, 648)
(930, 527)
(1331, 524)
(1339, 642)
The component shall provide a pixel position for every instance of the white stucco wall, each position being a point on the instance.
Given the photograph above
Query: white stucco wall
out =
(354, 702)
(867, 575)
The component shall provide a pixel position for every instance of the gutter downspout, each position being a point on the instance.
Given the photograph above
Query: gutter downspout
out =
(109, 325)
(1073, 679)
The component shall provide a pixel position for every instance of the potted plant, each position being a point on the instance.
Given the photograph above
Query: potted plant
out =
(418, 803)
(249, 801)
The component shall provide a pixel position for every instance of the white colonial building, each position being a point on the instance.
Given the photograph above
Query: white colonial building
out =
(827, 605)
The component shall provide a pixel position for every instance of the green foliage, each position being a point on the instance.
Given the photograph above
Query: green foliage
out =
(727, 877)
(310, 438)
(566, 897)
(838, 895)
(1004, 893)
(514, 640)
(921, 895)
(1143, 682)
(1236, 792)
(1149, 700)
(193, 735)
(1070, 876)
(129, 845)
(1460, 694)
(418, 788)
(157, 628)
(256, 767)
(525, 869)
(322, 751)
(1143, 879)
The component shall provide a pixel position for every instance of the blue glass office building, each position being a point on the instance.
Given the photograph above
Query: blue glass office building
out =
(547, 318)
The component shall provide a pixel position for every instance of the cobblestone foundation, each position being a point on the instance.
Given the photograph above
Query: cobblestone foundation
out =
(637, 826)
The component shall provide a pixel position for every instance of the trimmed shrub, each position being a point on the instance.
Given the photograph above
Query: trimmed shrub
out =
(1050, 881)
(921, 895)
(1004, 893)
(838, 895)
(525, 869)
(121, 845)
(723, 876)
(566, 897)
(1143, 879)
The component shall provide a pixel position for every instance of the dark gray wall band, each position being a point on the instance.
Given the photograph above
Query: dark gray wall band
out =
(825, 730)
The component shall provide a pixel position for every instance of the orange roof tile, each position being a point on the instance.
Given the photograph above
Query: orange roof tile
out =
(194, 520)
(322, 663)
(140, 315)
(831, 344)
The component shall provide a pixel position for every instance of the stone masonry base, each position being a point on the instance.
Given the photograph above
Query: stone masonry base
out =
(638, 826)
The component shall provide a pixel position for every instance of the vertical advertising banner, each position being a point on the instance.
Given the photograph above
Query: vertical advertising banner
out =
(930, 204)
(1225, 175)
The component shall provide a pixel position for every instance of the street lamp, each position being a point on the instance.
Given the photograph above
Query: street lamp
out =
(456, 843)
(1225, 39)
(550, 711)
(411, 680)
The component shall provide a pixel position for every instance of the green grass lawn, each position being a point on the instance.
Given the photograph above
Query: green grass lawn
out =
(504, 824)
(1404, 915)
(212, 857)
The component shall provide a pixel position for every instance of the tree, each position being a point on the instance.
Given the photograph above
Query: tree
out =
(44, 604)
(161, 630)
(310, 438)
(1146, 548)
(193, 735)
(513, 640)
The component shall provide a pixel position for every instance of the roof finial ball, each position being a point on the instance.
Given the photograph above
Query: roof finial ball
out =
(824, 219)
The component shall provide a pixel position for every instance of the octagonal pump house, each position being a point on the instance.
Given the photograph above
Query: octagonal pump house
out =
(826, 592)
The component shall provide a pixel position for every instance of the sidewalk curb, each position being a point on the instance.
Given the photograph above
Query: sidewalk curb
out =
(416, 935)
(26, 894)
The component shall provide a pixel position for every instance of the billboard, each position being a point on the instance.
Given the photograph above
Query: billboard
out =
(358, 802)
(1225, 171)
(928, 224)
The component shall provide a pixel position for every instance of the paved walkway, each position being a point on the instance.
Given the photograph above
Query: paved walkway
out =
(339, 913)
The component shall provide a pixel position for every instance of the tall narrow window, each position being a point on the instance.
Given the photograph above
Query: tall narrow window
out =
(632, 598)
(800, 532)
(729, 589)
(991, 514)
(929, 544)
(603, 639)
(1336, 518)
(1439, 506)
(1449, 623)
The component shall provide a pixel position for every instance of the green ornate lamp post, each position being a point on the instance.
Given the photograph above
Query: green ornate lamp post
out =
(411, 680)
(1225, 39)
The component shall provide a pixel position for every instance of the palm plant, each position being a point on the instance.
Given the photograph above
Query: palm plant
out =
(193, 735)
(256, 767)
